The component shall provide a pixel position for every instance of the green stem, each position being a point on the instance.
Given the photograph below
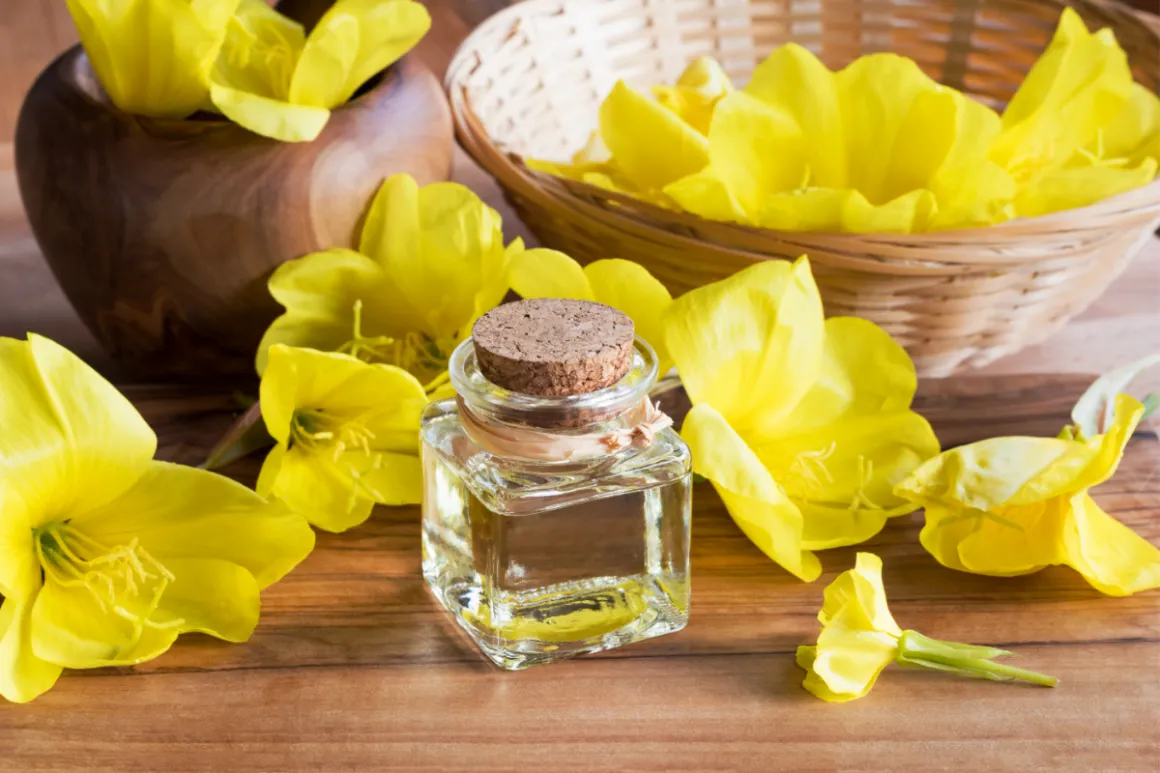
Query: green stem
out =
(914, 649)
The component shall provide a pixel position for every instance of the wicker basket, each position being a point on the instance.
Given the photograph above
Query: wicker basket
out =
(530, 80)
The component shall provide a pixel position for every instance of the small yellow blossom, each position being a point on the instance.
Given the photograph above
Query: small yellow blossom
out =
(153, 57)
(276, 81)
(622, 284)
(859, 639)
(347, 435)
(802, 424)
(106, 555)
(696, 93)
(1014, 505)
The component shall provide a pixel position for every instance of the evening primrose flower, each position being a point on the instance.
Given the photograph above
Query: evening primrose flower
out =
(276, 81)
(347, 435)
(1014, 505)
(860, 638)
(621, 284)
(802, 424)
(696, 93)
(431, 261)
(106, 556)
(876, 147)
(153, 57)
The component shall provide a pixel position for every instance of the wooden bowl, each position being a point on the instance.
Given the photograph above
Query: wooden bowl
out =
(163, 233)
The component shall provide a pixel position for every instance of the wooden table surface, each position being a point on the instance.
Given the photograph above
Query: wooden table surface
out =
(355, 668)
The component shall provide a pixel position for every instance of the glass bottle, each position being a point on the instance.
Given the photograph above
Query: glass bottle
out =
(544, 560)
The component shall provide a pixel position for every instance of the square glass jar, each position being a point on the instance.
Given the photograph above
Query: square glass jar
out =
(543, 560)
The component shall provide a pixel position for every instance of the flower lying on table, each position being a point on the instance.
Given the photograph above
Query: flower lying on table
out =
(859, 639)
(1014, 505)
(802, 424)
(172, 58)
(106, 555)
(879, 147)
(347, 435)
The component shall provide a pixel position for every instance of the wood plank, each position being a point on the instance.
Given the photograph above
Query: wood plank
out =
(354, 667)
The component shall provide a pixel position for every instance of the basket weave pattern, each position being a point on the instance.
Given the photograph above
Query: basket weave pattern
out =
(530, 80)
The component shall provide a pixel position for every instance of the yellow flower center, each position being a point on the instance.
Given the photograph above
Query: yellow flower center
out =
(418, 353)
(124, 580)
(321, 432)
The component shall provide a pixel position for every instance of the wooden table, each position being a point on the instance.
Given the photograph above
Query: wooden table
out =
(355, 668)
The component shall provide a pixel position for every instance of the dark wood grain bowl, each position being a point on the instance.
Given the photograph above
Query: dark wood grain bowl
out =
(162, 233)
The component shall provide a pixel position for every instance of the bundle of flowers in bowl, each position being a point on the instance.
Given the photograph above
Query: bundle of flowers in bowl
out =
(189, 147)
(968, 190)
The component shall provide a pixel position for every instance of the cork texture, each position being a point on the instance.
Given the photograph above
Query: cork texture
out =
(552, 347)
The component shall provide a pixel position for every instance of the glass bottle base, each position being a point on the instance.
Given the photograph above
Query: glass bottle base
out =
(548, 624)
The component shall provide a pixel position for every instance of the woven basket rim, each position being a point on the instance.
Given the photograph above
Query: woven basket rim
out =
(1140, 204)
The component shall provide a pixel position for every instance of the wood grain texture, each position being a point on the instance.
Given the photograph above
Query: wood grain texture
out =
(355, 668)
(163, 233)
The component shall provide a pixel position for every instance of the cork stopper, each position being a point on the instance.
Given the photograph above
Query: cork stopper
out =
(552, 347)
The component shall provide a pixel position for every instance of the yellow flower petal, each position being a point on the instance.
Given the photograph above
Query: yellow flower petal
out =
(211, 596)
(1134, 134)
(793, 79)
(707, 195)
(749, 493)
(813, 209)
(320, 291)
(756, 149)
(649, 143)
(442, 247)
(1076, 187)
(269, 117)
(856, 598)
(629, 287)
(1110, 556)
(749, 345)
(696, 92)
(19, 572)
(877, 92)
(69, 436)
(849, 661)
(354, 40)
(181, 512)
(549, 274)
(23, 676)
(909, 213)
(152, 58)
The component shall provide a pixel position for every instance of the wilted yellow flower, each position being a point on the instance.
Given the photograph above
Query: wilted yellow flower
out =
(877, 147)
(347, 435)
(802, 424)
(106, 556)
(1014, 505)
(153, 57)
(431, 261)
(859, 639)
(276, 81)
(621, 284)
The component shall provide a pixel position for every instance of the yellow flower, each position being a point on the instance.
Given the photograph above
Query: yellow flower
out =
(431, 261)
(1014, 505)
(153, 57)
(802, 424)
(276, 81)
(877, 147)
(347, 435)
(696, 92)
(859, 639)
(106, 555)
(621, 284)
